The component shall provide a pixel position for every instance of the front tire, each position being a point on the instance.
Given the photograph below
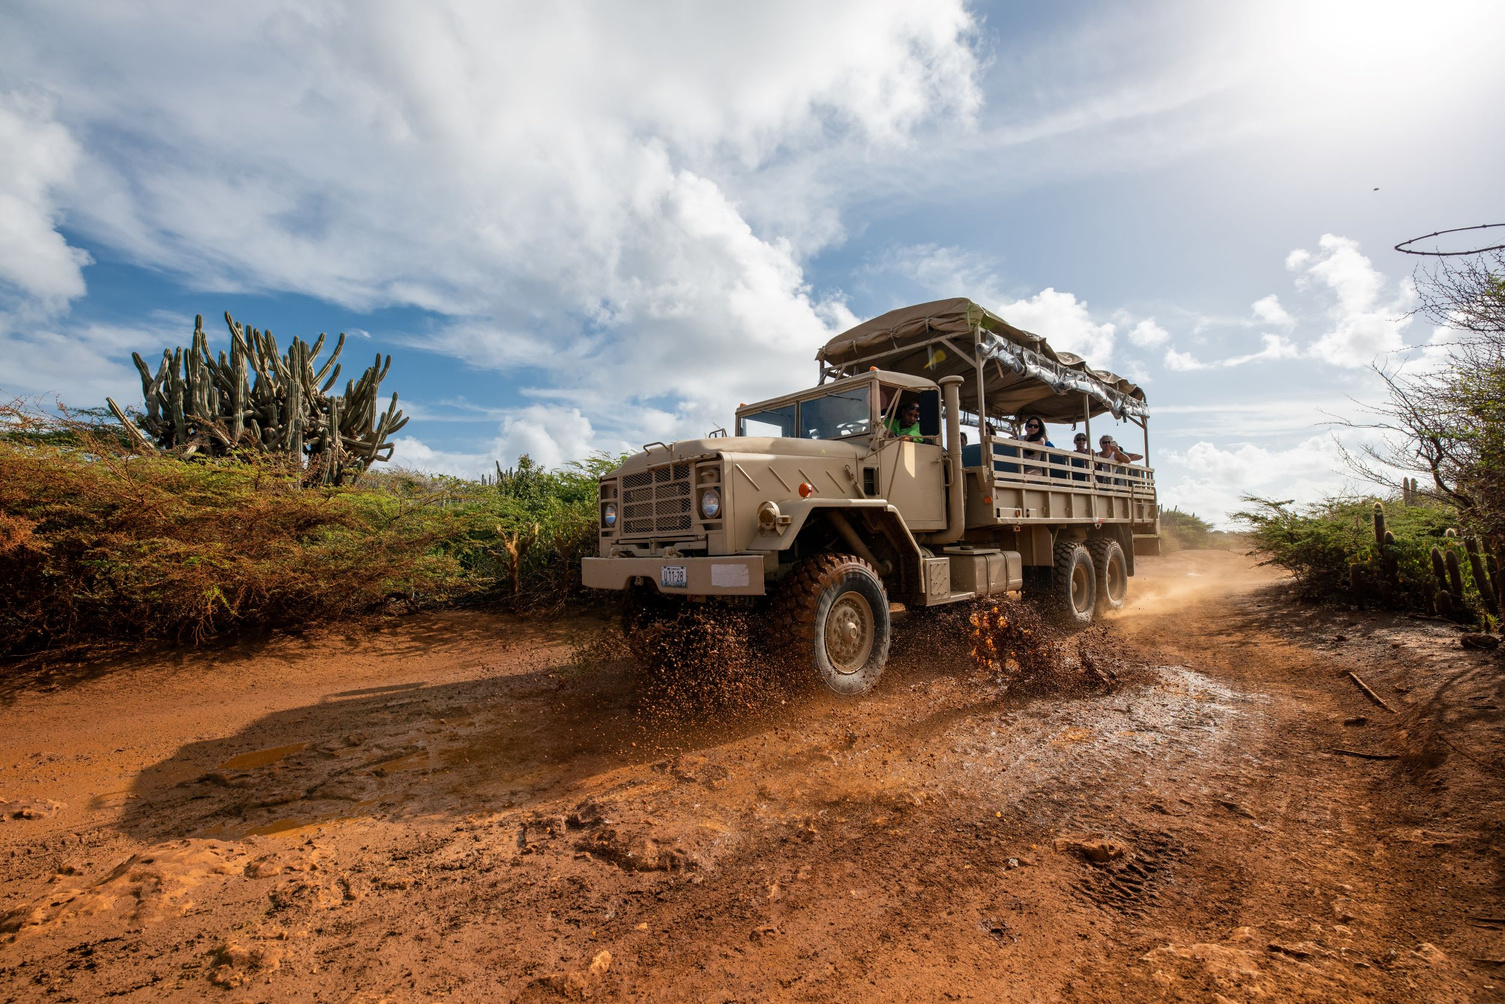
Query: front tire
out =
(1073, 584)
(833, 618)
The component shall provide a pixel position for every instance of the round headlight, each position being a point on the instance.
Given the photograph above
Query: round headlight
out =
(710, 503)
(609, 514)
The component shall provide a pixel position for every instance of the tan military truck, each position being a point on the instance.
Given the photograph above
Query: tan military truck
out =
(827, 509)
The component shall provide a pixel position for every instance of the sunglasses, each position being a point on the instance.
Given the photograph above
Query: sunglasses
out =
(1032, 425)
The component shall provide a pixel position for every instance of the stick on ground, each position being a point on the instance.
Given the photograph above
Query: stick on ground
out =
(1376, 698)
(1367, 756)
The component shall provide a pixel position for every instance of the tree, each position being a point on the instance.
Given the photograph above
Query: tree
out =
(1444, 418)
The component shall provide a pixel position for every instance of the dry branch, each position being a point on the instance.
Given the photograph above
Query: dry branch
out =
(1376, 698)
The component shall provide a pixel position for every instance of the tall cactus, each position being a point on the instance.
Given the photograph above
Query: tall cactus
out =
(1482, 581)
(1455, 580)
(1387, 558)
(1444, 591)
(260, 399)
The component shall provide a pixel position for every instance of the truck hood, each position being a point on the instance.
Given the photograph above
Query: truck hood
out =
(689, 449)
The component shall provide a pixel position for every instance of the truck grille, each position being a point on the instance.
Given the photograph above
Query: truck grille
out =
(656, 500)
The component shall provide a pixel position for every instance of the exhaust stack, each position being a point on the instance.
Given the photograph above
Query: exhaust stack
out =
(956, 502)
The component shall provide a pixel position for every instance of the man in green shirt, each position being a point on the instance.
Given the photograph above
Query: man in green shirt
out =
(907, 424)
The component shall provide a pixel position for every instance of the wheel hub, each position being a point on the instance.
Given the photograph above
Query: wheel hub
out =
(1080, 587)
(849, 633)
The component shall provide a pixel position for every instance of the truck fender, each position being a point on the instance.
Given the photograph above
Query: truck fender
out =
(867, 516)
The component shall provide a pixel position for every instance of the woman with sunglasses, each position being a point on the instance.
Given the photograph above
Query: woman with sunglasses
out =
(1034, 432)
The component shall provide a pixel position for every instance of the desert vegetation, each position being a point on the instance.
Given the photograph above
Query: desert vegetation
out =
(1435, 538)
(101, 541)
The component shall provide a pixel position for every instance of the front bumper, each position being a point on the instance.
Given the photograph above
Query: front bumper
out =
(732, 575)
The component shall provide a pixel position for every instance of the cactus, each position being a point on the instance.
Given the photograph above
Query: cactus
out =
(1476, 565)
(1444, 594)
(1379, 524)
(1455, 581)
(260, 399)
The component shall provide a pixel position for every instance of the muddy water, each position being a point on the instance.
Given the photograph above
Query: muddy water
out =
(469, 808)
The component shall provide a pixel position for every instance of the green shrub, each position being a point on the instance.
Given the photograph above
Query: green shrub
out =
(1319, 542)
(96, 542)
(1184, 530)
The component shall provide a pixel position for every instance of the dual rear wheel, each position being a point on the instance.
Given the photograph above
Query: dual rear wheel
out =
(1087, 579)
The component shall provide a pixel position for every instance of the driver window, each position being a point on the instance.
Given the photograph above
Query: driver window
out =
(773, 422)
(893, 400)
(837, 415)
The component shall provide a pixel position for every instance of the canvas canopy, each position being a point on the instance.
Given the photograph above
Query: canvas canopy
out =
(1020, 373)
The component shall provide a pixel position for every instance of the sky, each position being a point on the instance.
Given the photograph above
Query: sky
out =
(588, 226)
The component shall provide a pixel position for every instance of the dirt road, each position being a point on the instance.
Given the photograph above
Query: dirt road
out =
(478, 808)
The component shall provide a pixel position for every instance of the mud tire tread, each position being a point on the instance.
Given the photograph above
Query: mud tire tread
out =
(797, 603)
(1100, 548)
(1060, 585)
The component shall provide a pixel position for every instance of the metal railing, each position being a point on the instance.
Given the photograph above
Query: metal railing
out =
(1019, 461)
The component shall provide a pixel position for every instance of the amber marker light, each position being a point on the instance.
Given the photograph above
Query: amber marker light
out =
(806, 489)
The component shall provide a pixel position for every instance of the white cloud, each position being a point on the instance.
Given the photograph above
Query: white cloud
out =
(551, 434)
(1182, 362)
(1065, 321)
(1365, 321)
(579, 189)
(1269, 310)
(1275, 347)
(1209, 480)
(39, 272)
(83, 364)
(1148, 335)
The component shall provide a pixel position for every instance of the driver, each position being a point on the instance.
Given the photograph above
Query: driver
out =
(907, 424)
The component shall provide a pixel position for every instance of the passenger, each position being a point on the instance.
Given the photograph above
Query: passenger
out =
(1034, 432)
(1080, 444)
(1111, 453)
(907, 424)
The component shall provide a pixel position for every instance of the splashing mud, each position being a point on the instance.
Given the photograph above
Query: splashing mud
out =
(694, 661)
(707, 660)
(1017, 649)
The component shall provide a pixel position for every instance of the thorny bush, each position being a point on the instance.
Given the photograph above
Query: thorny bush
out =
(97, 542)
(1319, 542)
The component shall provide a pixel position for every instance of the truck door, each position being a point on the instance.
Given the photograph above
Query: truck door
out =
(912, 475)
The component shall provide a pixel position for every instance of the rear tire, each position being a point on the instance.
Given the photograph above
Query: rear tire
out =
(1073, 584)
(831, 615)
(1112, 570)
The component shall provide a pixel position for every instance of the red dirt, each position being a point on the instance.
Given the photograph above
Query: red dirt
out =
(468, 806)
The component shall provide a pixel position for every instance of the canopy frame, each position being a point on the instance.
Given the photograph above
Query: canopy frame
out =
(1029, 373)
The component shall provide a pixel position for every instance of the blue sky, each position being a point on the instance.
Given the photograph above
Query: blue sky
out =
(588, 226)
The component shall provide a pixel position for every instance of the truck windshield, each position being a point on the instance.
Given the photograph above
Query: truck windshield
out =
(773, 422)
(837, 415)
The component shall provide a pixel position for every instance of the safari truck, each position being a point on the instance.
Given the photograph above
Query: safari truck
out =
(825, 511)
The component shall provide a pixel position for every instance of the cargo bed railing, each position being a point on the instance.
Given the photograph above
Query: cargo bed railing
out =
(1018, 461)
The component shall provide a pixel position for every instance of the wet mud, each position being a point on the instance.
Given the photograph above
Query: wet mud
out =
(485, 809)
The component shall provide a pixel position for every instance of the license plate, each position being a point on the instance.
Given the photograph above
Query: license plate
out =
(672, 577)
